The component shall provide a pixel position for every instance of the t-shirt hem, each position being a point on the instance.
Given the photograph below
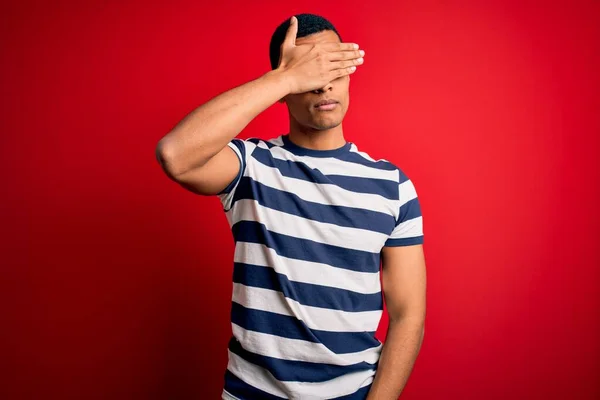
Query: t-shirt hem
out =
(404, 241)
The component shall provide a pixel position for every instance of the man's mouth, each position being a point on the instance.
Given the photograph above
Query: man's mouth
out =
(326, 105)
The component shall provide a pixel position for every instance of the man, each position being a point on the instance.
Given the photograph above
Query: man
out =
(312, 219)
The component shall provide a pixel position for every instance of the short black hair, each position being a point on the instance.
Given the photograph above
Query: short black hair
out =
(307, 25)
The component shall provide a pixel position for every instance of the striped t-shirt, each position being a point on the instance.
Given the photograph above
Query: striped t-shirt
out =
(309, 226)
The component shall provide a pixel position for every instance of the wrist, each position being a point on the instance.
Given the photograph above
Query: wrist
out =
(282, 79)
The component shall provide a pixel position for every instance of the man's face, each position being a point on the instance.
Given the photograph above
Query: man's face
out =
(303, 106)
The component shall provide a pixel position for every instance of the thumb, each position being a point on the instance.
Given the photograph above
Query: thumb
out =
(290, 36)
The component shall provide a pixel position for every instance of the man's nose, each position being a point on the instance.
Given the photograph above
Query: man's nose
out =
(326, 88)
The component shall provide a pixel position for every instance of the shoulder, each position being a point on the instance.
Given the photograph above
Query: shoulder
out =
(248, 146)
(404, 188)
(387, 168)
(253, 142)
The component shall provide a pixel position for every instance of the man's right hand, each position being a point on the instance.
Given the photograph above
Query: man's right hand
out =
(195, 153)
(311, 67)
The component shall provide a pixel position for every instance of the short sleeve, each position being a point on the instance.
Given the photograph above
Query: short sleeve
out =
(409, 224)
(240, 148)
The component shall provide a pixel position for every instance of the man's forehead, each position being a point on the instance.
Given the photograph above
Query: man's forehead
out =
(320, 37)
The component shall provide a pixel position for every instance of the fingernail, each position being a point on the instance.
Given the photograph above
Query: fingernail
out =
(355, 46)
(362, 53)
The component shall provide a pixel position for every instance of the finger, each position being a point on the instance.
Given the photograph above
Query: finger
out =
(346, 55)
(338, 73)
(346, 64)
(332, 46)
(290, 36)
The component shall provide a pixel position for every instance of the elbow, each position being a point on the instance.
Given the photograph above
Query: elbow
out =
(178, 156)
(166, 157)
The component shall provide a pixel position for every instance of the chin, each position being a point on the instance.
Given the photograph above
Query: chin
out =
(324, 124)
(324, 127)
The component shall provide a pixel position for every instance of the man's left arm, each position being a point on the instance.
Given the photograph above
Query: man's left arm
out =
(404, 286)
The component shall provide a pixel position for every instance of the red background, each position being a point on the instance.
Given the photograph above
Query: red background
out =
(116, 282)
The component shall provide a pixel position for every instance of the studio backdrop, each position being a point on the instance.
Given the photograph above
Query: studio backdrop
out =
(116, 283)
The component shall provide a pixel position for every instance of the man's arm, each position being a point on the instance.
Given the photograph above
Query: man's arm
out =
(404, 287)
(195, 153)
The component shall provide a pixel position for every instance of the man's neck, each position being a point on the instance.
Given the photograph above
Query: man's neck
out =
(313, 139)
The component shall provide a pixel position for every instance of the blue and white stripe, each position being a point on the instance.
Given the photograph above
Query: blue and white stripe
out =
(309, 227)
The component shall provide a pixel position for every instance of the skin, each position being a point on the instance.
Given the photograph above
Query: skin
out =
(312, 128)
(404, 288)
(195, 153)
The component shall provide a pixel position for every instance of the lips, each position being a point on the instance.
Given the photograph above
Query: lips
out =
(326, 105)
(325, 102)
